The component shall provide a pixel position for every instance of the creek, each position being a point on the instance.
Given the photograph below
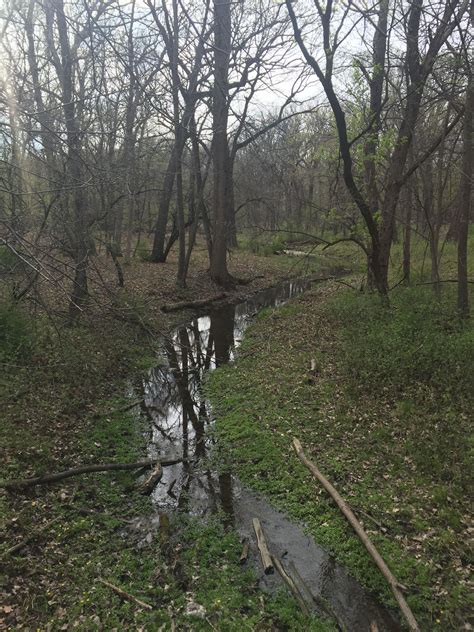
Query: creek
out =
(180, 419)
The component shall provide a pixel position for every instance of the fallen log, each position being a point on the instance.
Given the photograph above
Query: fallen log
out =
(291, 585)
(355, 524)
(322, 604)
(151, 481)
(263, 548)
(126, 595)
(84, 469)
(174, 307)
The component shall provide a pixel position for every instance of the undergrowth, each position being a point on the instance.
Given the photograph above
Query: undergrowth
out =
(386, 417)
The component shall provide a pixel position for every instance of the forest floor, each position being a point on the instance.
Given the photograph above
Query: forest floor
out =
(387, 418)
(61, 399)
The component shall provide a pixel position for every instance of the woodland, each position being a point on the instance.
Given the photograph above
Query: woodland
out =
(236, 277)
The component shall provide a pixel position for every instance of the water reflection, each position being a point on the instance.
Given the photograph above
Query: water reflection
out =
(178, 412)
(179, 421)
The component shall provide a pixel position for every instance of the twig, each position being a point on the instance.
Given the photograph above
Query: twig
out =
(151, 482)
(126, 595)
(27, 540)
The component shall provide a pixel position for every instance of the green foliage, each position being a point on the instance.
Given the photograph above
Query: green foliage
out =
(386, 418)
(16, 333)
(143, 251)
(418, 340)
(263, 244)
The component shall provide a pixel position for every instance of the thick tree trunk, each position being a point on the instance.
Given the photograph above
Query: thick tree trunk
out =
(78, 230)
(220, 142)
(465, 188)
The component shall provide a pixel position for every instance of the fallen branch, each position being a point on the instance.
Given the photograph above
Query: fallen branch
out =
(291, 585)
(174, 307)
(27, 540)
(340, 502)
(263, 548)
(85, 469)
(322, 604)
(123, 409)
(245, 551)
(150, 483)
(126, 595)
(242, 281)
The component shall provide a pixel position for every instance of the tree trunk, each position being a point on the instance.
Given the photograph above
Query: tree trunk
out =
(407, 236)
(465, 188)
(79, 225)
(220, 142)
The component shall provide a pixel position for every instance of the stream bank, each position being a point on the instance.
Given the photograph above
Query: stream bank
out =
(181, 426)
(390, 428)
(61, 407)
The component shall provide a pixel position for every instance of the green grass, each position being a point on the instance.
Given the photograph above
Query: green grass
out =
(65, 417)
(189, 561)
(386, 418)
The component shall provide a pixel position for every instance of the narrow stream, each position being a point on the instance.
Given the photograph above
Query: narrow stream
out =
(179, 418)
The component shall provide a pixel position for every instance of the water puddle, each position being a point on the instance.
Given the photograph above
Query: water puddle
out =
(179, 419)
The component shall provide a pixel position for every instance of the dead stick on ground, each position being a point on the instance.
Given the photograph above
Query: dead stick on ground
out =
(340, 502)
(126, 595)
(85, 469)
(123, 409)
(27, 540)
(291, 585)
(174, 307)
(262, 547)
(245, 551)
(320, 602)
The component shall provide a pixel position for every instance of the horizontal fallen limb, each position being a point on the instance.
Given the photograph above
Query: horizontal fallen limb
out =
(122, 409)
(84, 469)
(174, 307)
(126, 595)
(355, 524)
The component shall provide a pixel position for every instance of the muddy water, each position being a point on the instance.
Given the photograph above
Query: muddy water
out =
(180, 420)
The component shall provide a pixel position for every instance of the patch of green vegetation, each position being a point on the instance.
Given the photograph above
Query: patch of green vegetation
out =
(16, 335)
(386, 418)
(55, 580)
(190, 565)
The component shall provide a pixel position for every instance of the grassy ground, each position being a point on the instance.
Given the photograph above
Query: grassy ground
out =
(58, 391)
(387, 417)
(187, 570)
